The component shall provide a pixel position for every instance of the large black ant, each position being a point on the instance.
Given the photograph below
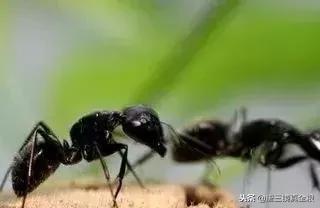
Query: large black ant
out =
(263, 141)
(91, 139)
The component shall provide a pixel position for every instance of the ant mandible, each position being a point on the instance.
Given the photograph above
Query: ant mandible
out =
(91, 139)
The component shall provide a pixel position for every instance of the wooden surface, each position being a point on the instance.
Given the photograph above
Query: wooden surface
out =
(155, 196)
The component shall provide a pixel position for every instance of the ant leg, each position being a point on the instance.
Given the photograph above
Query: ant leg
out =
(239, 118)
(268, 185)
(314, 178)
(297, 159)
(122, 166)
(33, 147)
(5, 178)
(144, 158)
(106, 174)
(240, 115)
(243, 111)
(246, 179)
(121, 174)
(132, 171)
(29, 137)
(289, 162)
(68, 155)
(46, 128)
(310, 145)
(206, 175)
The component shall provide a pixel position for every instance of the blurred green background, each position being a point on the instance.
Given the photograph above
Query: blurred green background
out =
(187, 59)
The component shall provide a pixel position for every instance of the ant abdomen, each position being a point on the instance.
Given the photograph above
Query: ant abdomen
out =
(45, 162)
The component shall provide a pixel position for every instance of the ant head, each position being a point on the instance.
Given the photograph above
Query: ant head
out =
(142, 124)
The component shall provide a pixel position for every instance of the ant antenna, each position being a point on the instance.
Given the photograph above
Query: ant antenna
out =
(243, 111)
(172, 130)
(193, 140)
(313, 175)
(177, 135)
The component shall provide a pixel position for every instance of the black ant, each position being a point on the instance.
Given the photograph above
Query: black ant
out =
(91, 139)
(264, 141)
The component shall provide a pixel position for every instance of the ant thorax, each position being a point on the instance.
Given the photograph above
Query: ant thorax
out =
(94, 127)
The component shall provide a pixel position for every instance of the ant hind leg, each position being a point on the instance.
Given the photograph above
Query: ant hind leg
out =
(122, 170)
(5, 178)
(33, 148)
(29, 137)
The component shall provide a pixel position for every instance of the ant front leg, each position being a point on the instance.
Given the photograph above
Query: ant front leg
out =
(118, 147)
(281, 164)
(144, 158)
(106, 174)
(297, 159)
(124, 163)
(131, 169)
